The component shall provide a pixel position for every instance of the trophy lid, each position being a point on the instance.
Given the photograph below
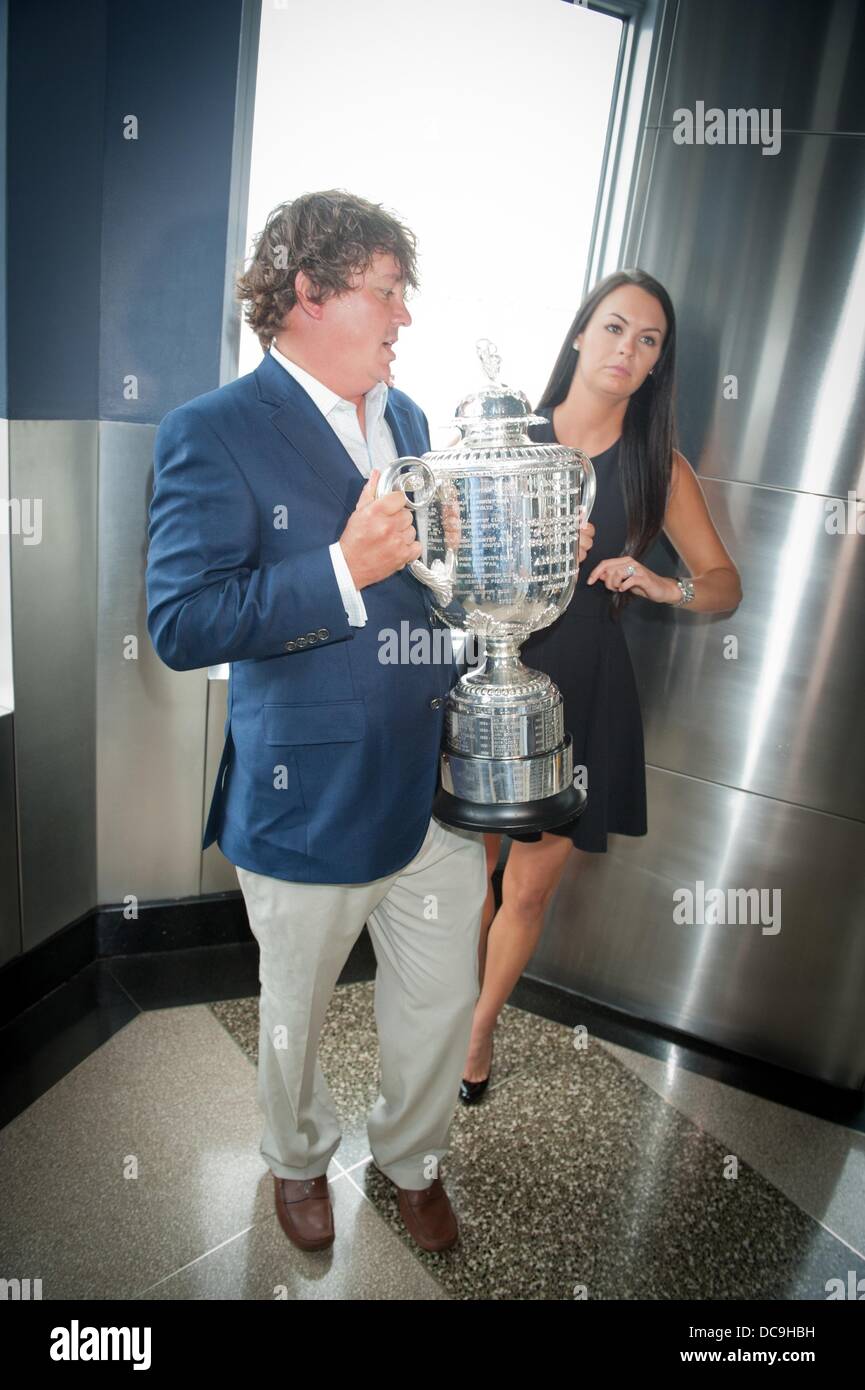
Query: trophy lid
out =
(497, 413)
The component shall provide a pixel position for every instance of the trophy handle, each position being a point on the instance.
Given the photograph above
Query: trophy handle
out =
(420, 478)
(591, 483)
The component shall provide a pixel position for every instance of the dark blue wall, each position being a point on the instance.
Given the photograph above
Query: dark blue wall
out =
(165, 207)
(116, 248)
(56, 67)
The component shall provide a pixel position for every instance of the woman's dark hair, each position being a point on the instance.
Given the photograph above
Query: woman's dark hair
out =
(649, 427)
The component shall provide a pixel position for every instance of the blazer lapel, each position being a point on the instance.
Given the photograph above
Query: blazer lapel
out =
(299, 419)
(400, 427)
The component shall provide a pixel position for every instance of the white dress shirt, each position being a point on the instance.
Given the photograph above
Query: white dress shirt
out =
(376, 451)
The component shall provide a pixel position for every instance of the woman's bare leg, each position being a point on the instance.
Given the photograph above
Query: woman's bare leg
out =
(492, 844)
(531, 876)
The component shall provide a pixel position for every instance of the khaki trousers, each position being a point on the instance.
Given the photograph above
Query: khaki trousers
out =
(424, 922)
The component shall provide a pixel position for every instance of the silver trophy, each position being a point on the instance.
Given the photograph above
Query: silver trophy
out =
(498, 518)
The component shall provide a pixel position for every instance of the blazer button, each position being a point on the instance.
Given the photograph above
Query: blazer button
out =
(312, 637)
(290, 646)
(301, 642)
(435, 704)
(323, 633)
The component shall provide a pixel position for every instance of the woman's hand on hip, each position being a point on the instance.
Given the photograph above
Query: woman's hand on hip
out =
(643, 582)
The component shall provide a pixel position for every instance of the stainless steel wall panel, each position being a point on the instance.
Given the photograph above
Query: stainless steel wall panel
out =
(806, 58)
(7, 693)
(783, 717)
(54, 645)
(765, 261)
(792, 997)
(10, 917)
(150, 720)
(756, 771)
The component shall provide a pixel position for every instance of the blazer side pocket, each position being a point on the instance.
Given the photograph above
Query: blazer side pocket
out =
(333, 721)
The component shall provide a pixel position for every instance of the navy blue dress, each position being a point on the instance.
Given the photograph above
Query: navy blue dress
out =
(586, 654)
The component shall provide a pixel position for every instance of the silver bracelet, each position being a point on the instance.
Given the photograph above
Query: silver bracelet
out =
(687, 589)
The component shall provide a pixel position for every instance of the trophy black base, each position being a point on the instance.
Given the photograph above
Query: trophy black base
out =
(502, 817)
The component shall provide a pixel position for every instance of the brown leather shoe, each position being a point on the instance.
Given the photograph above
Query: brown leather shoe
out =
(428, 1215)
(304, 1211)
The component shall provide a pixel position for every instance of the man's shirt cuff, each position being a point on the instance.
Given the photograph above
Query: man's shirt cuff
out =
(355, 608)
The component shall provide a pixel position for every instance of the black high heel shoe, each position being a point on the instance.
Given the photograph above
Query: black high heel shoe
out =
(471, 1091)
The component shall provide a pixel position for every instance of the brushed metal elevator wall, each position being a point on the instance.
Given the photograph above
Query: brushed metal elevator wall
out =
(151, 721)
(54, 622)
(756, 772)
(10, 927)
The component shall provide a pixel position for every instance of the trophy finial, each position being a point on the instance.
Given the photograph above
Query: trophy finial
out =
(489, 355)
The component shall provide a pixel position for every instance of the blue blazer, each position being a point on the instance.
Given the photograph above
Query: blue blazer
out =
(331, 756)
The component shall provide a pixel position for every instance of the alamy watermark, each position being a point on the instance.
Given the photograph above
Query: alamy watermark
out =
(718, 906)
(845, 518)
(21, 516)
(739, 126)
(424, 646)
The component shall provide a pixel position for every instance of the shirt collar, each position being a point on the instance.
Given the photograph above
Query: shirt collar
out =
(328, 401)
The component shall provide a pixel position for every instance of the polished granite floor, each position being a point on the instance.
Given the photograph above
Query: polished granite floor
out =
(629, 1168)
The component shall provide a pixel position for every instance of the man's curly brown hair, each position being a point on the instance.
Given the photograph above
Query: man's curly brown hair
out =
(333, 237)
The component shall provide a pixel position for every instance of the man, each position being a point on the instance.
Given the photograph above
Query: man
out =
(269, 550)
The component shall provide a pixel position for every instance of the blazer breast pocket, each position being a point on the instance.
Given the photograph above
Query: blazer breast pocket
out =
(330, 721)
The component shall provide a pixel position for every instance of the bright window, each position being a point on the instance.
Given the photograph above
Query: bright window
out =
(480, 123)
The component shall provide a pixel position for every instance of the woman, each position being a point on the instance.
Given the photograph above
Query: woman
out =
(611, 395)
